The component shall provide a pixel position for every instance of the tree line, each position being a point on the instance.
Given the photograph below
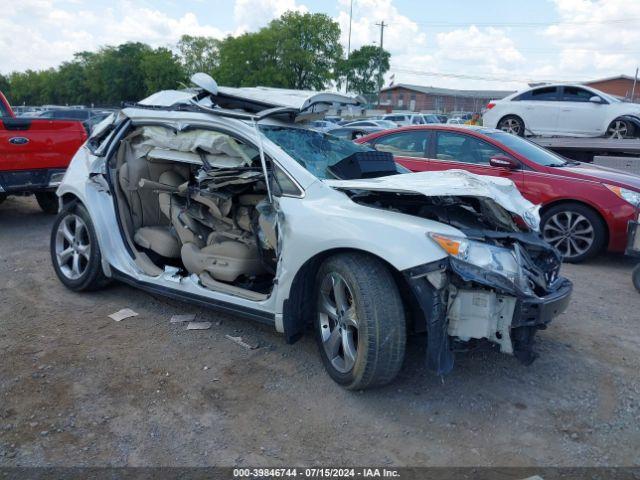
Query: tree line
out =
(297, 50)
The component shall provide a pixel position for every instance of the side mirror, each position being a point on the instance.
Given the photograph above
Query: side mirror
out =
(595, 99)
(502, 161)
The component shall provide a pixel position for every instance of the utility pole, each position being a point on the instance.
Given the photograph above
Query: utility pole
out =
(381, 25)
(633, 90)
(346, 90)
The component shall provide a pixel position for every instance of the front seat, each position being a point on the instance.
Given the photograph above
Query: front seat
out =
(151, 226)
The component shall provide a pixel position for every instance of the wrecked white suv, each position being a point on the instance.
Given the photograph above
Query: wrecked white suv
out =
(220, 197)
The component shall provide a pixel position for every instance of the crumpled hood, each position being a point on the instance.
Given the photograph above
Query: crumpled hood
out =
(451, 183)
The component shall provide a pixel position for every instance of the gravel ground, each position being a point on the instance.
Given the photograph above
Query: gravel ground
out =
(77, 388)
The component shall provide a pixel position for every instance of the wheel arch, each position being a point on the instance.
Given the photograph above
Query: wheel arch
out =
(595, 209)
(632, 119)
(67, 199)
(298, 307)
(510, 115)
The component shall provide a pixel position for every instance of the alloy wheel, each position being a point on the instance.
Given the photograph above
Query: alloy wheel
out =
(72, 247)
(570, 232)
(618, 129)
(510, 125)
(338, 322)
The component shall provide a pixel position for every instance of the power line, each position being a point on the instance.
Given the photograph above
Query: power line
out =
(526, 24)
(485, 77)
(534, 50)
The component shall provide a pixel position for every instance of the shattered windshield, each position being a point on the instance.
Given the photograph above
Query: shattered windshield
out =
(315, 151)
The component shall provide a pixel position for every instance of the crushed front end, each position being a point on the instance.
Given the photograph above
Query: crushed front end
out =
(495, 289)
(499, 283)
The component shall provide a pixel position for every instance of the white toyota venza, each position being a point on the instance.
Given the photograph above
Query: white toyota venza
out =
(222, 198)
(564, 110)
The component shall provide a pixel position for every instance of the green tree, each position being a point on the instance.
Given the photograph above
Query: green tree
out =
(114, 74)
(199, 54)
(250, 60)
(32, 87)
(297, 51)
(361, 69)
(71, 84)
(309, 49)
(161, 70)
(4, 84)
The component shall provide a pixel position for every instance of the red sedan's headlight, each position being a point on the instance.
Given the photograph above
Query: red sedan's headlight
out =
(625, 194)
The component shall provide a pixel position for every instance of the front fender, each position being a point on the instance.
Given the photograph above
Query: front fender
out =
(327, 220)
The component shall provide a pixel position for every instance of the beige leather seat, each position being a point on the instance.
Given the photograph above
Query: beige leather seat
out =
(151, 223)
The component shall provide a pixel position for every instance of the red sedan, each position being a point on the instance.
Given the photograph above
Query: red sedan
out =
(584, 208)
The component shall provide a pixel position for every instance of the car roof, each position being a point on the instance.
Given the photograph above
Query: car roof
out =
(253, 99)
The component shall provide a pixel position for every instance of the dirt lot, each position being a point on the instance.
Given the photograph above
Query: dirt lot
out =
(77, 388)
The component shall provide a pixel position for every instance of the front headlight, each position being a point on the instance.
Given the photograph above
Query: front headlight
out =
(489, 257)
(625, 194)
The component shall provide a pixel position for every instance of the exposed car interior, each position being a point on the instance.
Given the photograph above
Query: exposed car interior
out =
(195, 203)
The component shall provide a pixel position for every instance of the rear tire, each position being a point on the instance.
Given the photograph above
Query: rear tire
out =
(360, 324)
(48, 202)
(576, 230)
(512, 124)
(75, 252)
(3, 197)
(636, 277)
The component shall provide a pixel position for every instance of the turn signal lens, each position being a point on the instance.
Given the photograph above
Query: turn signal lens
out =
(452, 247)
(615, 189)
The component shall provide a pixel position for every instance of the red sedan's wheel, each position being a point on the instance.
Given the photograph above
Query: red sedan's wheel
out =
(575, 230)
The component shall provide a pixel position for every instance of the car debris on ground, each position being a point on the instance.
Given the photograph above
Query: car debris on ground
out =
(183, 318)
(123, 314)
(199, 326)
(241, 342)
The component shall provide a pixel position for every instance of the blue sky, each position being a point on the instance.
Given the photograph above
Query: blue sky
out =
(459, 43)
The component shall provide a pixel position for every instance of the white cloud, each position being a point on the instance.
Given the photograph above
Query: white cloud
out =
(487, 46)
(54, 32)
(596, 37)
(253, 14)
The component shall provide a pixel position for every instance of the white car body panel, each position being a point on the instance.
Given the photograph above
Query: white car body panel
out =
(560, 117)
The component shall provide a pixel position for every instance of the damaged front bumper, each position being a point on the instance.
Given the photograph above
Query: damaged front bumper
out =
(461, 307)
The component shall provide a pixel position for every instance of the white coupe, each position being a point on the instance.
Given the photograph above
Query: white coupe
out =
(566, 110)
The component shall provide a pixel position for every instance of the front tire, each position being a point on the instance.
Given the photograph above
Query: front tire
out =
(512, 124)
(75, 253)
(360, 324)
(48, 202)
(576, 230)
